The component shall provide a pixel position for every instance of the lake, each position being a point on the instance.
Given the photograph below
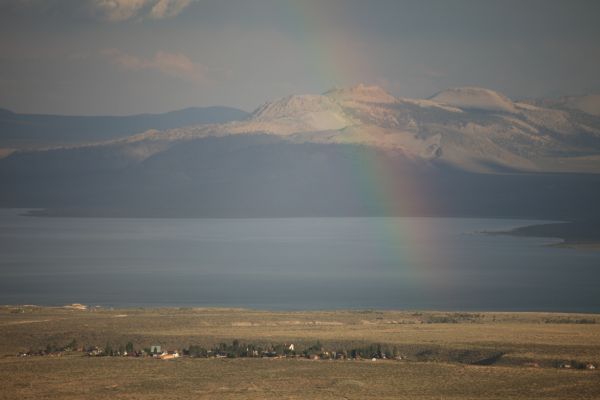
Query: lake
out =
(295, 263)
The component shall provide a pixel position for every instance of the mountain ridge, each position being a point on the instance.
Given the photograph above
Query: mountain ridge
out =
(340, 154)
(472, 130)
(34, 131)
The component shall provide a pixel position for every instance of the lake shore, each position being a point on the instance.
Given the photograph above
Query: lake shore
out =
(581, 235)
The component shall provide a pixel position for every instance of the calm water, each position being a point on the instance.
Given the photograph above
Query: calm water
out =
(308, 263)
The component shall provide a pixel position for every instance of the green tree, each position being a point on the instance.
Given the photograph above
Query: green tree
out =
(72, 345)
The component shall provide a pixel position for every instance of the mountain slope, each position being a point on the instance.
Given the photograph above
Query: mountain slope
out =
(471, 128)
(475, 98)
(269, 176)
(589, 103)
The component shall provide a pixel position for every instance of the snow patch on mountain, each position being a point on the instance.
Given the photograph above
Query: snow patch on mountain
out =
(296, 113)
(423, 103)
(475, 98)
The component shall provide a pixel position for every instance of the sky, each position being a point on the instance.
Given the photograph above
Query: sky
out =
(99, 57)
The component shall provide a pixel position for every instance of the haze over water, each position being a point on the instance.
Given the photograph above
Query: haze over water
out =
(308, 263)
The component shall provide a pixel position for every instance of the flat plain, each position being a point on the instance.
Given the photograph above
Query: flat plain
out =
(444, 355)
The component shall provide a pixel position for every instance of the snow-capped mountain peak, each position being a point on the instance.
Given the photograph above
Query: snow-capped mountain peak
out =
(294, 106)
(294, 114)
(362, 93)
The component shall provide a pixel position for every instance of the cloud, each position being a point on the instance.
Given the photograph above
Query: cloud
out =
(117, 10)
(123, 10)
(171, 64)
(104, 10)
(168, 8)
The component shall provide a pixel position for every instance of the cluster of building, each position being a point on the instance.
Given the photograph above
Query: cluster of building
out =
(316, 351)
(225, 350)
(576, 365)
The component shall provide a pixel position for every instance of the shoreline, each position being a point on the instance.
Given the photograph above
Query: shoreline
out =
(408, 316)
(92, 308)
(91, 213)
(578, 235)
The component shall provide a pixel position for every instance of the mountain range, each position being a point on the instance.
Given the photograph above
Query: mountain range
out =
(36, 131)
(348, 151)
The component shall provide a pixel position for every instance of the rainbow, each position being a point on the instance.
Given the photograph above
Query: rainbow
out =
(381, 189)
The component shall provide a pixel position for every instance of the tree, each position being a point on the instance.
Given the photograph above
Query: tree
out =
(72, 345)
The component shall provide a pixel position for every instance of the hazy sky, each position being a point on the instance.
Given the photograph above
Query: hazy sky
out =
(131, 56)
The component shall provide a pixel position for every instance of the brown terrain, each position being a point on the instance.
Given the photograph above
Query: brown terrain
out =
(430, 355)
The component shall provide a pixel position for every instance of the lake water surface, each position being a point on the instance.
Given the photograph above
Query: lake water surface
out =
(295, 263)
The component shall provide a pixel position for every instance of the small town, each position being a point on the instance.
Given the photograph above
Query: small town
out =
(236, 349)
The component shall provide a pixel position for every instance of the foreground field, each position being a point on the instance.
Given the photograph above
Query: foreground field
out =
(438, 354)
(123, 378)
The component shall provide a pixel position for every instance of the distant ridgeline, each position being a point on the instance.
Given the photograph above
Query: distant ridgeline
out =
(24, 131)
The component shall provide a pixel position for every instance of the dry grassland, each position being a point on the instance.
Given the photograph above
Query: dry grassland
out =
(431, 342)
